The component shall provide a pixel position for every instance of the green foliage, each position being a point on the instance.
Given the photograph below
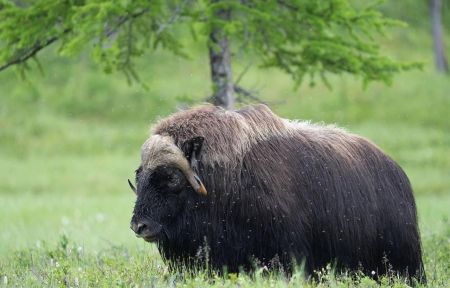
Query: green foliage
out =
(300, 37)
(117, 31)
(311, 38)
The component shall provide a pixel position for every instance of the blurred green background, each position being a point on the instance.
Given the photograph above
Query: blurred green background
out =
(70, 138)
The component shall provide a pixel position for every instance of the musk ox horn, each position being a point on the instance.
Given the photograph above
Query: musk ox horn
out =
(161, 150)
(199, 187)
(132, 186)
(195, 181)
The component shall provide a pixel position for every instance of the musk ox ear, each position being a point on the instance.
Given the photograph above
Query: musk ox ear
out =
(191, 149)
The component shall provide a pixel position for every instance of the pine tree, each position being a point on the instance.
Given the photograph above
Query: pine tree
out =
(301, 37)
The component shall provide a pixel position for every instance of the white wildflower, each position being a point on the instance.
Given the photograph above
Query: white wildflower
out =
(100, 217)
(65, 221)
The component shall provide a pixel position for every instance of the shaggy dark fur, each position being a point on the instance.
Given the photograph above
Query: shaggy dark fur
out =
(280, 193)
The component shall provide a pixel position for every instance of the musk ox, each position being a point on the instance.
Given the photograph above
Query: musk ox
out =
(234, 188)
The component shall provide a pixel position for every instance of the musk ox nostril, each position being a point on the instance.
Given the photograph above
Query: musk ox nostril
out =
(138, 227)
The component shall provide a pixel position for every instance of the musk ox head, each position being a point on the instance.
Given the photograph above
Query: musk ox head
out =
(165, 181)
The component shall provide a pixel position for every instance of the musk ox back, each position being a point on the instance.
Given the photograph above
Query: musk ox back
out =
(234, 188)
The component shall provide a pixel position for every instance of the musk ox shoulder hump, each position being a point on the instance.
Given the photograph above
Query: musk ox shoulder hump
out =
(230, 134)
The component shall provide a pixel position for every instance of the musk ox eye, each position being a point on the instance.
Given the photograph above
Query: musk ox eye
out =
(170, 178)
(173, 180)
(137, 172)
(136, 179)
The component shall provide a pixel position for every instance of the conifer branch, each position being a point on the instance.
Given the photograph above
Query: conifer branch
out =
(38, 46)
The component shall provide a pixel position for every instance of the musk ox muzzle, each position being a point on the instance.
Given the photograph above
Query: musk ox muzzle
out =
(147, 229)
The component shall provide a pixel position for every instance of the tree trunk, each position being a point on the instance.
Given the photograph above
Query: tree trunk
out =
(220, 62)
(436, 25)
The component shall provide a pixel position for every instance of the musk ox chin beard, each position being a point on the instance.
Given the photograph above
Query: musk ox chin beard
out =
(150, 239)
(153, 234)
(159, 237)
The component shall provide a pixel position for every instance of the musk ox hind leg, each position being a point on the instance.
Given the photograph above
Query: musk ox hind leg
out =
(399, 235)
(356, 206)
(380, 219)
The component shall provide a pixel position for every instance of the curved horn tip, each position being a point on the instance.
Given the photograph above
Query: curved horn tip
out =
(202, 190)
(132, 186)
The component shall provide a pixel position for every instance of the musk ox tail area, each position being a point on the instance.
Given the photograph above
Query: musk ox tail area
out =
(279, 189)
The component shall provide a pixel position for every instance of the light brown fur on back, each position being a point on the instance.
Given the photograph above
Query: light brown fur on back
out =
(230, 134)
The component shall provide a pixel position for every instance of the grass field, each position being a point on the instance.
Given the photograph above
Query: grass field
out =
(70, 139)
